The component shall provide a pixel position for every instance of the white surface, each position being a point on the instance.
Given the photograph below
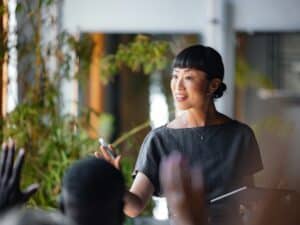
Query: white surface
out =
(267, 15)
(176, 16)
(133, 15)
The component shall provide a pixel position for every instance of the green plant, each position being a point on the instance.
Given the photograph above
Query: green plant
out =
(52, 140)
(142, 54)
(245, 76)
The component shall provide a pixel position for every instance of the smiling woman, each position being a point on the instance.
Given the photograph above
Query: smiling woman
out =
(225, 149)
(197, 79)
(189, 87)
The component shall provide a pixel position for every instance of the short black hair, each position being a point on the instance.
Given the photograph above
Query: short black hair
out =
(202, 58)
(93, 185)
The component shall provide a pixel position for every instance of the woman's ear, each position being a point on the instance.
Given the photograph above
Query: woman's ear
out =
(214, 84)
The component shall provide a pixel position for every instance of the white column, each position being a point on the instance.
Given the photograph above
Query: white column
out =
(219, 34)
(50, 30)
(69, 88)
(12, 75)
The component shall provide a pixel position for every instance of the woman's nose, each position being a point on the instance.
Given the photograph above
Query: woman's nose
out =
(179, 84)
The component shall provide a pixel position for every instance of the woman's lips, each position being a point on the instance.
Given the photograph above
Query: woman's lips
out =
(180, 98)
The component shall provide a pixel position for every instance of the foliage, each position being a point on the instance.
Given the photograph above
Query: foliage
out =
(142, 54)
(52, 140)
(247, 77)
(3, 36)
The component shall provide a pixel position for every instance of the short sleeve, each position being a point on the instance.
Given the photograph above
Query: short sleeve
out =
(250, 160)
(148, 161)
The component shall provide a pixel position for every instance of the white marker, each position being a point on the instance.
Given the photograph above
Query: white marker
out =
(106, 148)
(228, 194)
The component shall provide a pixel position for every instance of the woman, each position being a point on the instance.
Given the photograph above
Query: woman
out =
(226, 149)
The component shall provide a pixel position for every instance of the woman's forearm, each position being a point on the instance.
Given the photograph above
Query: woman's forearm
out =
(133, 204)
(140, 192)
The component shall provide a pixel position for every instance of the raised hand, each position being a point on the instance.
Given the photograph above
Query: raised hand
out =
(108, 153)
(183, 188)
(10, 177)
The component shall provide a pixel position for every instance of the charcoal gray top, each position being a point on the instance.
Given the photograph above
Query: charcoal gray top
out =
(226, 153)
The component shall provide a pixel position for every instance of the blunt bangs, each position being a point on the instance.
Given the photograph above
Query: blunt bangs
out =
(192, 58)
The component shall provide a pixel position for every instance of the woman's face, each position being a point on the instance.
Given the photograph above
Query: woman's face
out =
(189, 88)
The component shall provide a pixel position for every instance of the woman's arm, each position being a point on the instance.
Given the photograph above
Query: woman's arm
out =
(137, 197)
(141, 190)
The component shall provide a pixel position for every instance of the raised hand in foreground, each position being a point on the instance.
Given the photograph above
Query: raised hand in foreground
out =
(183, 188)
(10, 176)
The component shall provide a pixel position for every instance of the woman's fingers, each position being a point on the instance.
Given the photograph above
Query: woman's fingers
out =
(183, 188)
(118, 161)
(108, 153)
(10, 160)
(29, 191)
(166, 175)
(98, 155)
(16, 176)
(174, 173)
(105, 154)
(3, 158)
(173, 177)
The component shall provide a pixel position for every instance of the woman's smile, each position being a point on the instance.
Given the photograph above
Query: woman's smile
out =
(180, 97)
(189, 88)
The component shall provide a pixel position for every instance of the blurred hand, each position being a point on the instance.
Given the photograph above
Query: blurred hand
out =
(10, 176)
(183, 188)
(112, 158)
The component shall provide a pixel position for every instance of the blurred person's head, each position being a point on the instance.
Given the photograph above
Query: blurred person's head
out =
(92, 193)
(33, 217)
(197, 77)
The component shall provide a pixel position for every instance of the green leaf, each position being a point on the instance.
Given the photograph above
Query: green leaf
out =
(19, 8)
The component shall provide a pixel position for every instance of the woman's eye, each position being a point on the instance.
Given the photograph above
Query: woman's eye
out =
(189, 78)
(174, 76)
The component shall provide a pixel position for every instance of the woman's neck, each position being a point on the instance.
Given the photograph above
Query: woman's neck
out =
(201, 117)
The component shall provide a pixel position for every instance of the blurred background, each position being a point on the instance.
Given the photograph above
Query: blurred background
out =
(72, 71)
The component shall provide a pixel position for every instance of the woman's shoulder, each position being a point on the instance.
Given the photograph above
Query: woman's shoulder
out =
(224, 119)
(241, 128)
(241, 125)
(155, 136)
(156, 132)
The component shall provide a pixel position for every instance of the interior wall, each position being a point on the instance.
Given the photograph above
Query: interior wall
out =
(275, 115)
